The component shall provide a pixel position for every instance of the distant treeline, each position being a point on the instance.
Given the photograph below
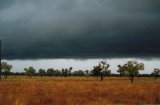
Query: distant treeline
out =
(130, 69)
(75, 73)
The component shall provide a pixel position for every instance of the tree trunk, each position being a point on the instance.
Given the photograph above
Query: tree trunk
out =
(6, 76)
(102, 77)
(30, 76)
(132, 77)
(120, 74)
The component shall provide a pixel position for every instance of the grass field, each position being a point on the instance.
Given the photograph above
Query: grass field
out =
(79, 91)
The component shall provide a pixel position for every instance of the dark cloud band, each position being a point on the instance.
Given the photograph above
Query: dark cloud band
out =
(80, 28)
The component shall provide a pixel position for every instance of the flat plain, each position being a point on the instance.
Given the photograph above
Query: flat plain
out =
(79, 91)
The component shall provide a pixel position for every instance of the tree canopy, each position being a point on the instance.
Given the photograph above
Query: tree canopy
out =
(132, 68)
(6, 68)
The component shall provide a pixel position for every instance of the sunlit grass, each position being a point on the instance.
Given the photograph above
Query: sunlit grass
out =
(78, 91)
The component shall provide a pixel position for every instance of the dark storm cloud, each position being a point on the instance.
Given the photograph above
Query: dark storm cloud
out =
(80, 28)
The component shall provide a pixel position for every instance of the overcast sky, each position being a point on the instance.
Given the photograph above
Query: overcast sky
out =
(79, 28)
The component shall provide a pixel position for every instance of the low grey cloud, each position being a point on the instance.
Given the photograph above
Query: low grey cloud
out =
(79, 28)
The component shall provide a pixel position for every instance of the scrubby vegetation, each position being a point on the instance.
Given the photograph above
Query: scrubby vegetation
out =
(78, 91)
(67, 87)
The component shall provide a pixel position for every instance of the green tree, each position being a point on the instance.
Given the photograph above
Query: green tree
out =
(57, 73)
(105, 69)
(63, 72)
(78, 73)
(132, 68)
(101, 70)
(96, 71)
(70, 71)
(121, 70)
(66, 72)
(86, 73)
(50, 72)
(30, 71)
(6, 68)
(42, 72)
(156, 72)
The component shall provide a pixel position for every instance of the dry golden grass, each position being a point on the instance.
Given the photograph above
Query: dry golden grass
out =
(78, 91)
